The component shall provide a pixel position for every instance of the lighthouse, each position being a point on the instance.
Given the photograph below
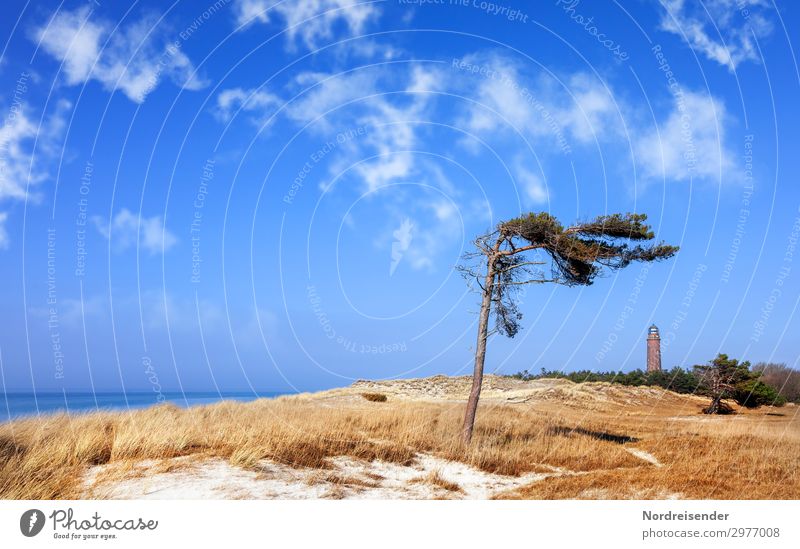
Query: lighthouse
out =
(653, 349)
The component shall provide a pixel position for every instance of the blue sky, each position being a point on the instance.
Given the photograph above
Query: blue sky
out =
(273, 195)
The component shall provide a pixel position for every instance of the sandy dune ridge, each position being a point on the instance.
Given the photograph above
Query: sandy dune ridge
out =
(640, 422)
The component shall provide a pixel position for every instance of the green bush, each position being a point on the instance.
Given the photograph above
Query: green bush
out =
(754, 393)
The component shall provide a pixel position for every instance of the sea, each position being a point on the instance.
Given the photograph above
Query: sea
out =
(20, 405)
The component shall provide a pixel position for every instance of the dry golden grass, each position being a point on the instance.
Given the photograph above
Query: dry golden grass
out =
(435, 478)
(751, 455)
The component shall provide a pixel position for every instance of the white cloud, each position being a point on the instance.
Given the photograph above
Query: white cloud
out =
(22, 168)
(136, 58)
(365, 99)
(253, 11)
(259, 102)
(300, 20)
(126, 229)
(366, 48)
(323, 92)
(73, 39)
(18, 167)
(444, 210)
(383, 105)
(534, 191)
(498, 97)
(690, 143)
(392, 131)
(724, 31)
(353, 13)
(17, 132)
(591, 113)
(384, 170)
(420, 231)
(580, 110)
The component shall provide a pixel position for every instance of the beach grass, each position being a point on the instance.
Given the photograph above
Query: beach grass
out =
(751, 455)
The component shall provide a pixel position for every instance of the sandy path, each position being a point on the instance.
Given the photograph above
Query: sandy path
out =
(429, 478)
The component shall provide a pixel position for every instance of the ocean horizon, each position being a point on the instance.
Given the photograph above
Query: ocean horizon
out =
(21, 404)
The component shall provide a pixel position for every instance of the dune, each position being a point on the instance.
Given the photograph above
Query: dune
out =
(399, 439)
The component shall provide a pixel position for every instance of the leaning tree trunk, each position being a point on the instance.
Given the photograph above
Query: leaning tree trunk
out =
(716, 396)
(480, 351)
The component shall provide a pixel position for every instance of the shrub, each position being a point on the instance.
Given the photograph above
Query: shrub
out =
(677, 379)
(722, 378)
(754, 393)
(374, 397)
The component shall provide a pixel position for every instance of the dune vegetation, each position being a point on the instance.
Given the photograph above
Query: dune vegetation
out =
(590, 438)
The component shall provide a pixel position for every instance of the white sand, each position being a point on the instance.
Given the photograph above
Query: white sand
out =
(347, 479)
(647, 456)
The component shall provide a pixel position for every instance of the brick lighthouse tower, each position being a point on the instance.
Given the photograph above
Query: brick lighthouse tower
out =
(653, 350)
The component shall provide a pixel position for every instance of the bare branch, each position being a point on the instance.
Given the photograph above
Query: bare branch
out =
(523, 264)
(534, 281)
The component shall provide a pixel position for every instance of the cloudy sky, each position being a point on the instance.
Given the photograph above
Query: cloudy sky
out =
(273, 195)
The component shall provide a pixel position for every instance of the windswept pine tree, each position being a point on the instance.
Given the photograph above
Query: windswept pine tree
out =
(727, 378)
(575, 256)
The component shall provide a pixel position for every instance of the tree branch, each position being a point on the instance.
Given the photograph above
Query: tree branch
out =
(532, 281)
(523, 264)
(515, 251)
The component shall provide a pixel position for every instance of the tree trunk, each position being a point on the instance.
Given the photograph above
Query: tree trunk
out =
(480, 351)
(716, 394)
